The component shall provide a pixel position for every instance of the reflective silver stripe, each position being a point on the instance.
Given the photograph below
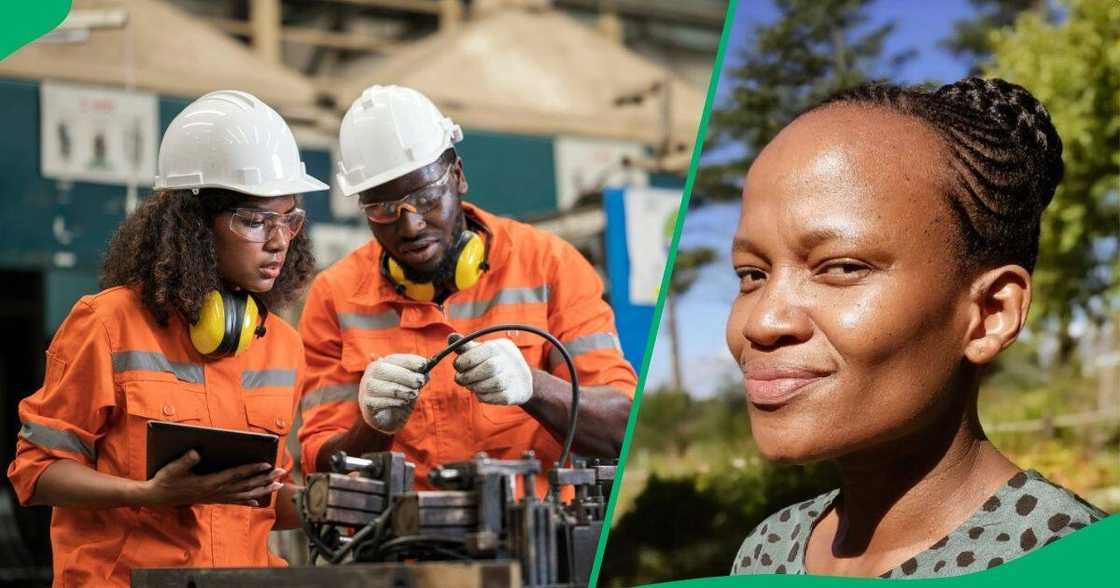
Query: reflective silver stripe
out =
(380, 320)
(331, 393)
(477, 308)
(265, 378)
(49, 438)
(154, 361)
(584, 344)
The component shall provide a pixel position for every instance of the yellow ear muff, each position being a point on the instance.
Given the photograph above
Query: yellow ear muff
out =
(470, 264)
(226, 324)
(472, 258)
(248, 325)
(424, 292)
(208, 332)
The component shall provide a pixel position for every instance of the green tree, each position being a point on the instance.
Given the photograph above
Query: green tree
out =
(971, 40)
(814, 48)
(1073, 67)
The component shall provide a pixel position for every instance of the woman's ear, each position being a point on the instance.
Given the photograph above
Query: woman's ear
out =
(999, 300)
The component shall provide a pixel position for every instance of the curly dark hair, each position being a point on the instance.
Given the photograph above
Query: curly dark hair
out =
(1004, 153)
(166, 251)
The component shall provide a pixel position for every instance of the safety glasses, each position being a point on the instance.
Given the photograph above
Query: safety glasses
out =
(422, 201)
(257, 225)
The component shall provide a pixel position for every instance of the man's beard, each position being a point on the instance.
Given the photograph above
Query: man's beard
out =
(444, 273)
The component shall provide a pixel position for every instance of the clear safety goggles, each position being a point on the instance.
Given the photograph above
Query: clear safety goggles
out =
(422, 201)
(257, 225)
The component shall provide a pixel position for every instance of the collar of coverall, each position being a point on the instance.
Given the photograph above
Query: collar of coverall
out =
(375, 288)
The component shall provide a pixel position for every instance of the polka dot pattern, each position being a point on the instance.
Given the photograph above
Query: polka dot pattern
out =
(1057, 522)
(1025, 505)
(1027, 540)
(1028, 513)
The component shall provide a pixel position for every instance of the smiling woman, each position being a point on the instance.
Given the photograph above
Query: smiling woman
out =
(885, 251)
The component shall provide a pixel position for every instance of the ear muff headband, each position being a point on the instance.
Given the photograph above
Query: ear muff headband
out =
(470, 264)
(248, 324)
(233, 311)
(227, 323)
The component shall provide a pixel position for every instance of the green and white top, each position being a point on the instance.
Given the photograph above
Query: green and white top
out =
(1026, 513)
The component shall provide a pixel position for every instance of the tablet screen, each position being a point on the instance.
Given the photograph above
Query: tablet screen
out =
(219, 449)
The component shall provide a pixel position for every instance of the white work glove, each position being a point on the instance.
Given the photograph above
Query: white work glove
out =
(388, 390)
(495, 371)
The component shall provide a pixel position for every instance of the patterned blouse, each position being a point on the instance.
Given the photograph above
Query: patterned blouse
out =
(1026, 513)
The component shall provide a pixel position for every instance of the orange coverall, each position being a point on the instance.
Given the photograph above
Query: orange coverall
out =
(111, 369)
(535, 278)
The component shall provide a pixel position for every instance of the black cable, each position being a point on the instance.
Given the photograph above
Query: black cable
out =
(377, 525)
(336, 556)
(425, 542)
(458, 343)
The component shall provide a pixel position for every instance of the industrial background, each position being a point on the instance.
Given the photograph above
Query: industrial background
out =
(561, 101)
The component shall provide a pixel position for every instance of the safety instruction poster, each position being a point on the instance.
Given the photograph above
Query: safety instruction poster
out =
(587, 166)
(98, 135)
(650, 219)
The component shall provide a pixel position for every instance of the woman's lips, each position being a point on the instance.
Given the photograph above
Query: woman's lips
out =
(270, 271)
(774, 386)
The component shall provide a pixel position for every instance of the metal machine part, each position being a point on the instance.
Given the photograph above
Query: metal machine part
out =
(477, 513)
(343, 499)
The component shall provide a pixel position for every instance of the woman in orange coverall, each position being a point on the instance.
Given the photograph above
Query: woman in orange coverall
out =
(221, 234)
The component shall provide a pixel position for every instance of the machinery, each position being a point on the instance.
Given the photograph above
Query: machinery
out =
(475, 515)
(367, 509)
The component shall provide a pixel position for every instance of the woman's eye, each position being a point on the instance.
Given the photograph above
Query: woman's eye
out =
(252, 222)
(844, 269)
(750, 278)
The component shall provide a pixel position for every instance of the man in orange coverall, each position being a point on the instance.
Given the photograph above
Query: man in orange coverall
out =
(438, 266)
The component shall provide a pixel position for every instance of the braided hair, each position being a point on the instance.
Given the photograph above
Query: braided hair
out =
(1004, 155)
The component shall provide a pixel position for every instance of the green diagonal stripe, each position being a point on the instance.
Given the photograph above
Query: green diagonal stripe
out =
(651, 339)
(27, 20)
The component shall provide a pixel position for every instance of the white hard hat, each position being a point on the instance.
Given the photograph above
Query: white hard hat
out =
(388, 132)
(232, 140)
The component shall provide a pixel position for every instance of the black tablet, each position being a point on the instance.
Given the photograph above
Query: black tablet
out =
(219, 449)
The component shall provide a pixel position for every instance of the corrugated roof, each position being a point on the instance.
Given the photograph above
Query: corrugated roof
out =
(535, 72)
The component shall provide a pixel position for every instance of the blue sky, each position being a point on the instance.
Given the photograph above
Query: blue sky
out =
(702, 311)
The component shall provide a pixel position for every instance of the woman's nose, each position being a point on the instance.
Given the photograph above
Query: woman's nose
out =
(278, 238)
(777, 317)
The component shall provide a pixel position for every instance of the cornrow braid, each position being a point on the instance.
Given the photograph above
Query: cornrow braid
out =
(1004, 153)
